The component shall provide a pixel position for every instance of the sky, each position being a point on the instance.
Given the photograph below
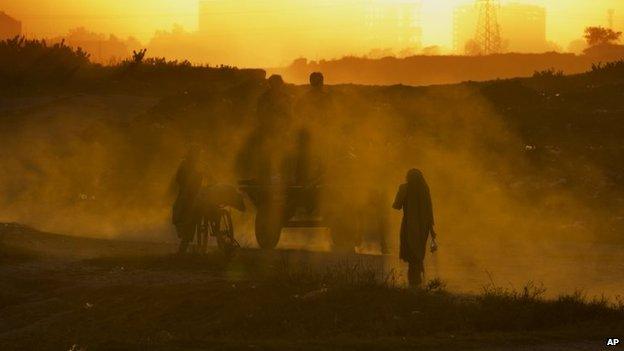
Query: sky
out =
(566, 19)
(141, 18)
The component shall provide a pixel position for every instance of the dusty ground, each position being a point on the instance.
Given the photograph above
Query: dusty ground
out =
(64, 293)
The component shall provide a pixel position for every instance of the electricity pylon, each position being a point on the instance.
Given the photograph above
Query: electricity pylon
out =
(488, 30)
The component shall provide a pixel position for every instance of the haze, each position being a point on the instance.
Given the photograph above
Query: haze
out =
(290, 21)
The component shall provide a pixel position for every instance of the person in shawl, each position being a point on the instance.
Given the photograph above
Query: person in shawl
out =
(414, 199)
(189, 181)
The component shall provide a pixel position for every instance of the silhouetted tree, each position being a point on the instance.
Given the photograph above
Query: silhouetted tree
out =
(30, 60)
(601, 36)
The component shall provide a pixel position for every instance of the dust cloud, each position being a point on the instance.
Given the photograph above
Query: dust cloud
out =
(103, 165)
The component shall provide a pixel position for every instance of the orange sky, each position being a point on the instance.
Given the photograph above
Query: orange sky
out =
(141, 18)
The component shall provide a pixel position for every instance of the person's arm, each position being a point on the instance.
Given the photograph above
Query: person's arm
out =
(399, 199)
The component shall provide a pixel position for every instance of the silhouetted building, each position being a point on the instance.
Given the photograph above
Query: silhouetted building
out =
(9, 26)
(392, 24)
(310, 29)
(523, 27)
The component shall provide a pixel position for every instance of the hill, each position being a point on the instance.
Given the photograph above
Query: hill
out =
(428, 70)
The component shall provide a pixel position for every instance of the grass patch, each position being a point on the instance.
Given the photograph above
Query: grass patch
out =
(312, 299)
(433, 309)
(158, 303)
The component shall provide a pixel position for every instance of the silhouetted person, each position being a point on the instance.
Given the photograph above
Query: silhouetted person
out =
(414, 199)
(274, 107)
(313, 140)
(189, 181)
(315, 105)
(262, 152)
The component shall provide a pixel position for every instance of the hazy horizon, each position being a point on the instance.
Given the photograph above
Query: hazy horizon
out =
(287, 30)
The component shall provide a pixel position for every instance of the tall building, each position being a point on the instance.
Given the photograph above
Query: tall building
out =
(313, 29)
(523, 27)
(393, 24)
(9, 26)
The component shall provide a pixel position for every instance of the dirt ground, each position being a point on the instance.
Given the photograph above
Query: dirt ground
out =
(68, 293)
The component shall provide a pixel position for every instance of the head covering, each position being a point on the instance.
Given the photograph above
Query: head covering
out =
(415, 177)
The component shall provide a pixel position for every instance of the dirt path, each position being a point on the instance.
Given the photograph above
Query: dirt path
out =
(60, 292)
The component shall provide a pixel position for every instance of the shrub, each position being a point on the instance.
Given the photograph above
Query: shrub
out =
(549, 73)
(30, 60)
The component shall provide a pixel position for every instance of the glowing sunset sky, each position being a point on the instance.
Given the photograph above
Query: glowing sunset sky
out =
(141, 18)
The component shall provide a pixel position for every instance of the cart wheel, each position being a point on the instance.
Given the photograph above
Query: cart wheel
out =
(268, 230)
(225, 238)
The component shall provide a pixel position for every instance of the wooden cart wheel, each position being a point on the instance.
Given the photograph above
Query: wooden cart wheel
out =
(268, 229)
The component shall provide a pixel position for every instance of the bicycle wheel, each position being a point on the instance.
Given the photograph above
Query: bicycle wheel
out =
(225, 234)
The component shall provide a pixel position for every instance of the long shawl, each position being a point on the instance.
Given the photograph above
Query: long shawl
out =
(415, 200)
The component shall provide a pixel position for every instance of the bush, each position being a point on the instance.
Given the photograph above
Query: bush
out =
(30, 60)
(615, 67)
(549, 73)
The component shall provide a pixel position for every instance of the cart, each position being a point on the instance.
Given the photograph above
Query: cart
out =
(281, 206)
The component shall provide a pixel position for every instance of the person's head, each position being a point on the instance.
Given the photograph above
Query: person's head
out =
(414, 176)
(317, 80)
(275, 82)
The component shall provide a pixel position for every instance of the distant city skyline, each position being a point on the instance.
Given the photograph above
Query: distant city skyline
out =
(565, 21)
(371, 25)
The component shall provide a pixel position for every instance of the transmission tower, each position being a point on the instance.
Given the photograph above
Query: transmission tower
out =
(488, 36)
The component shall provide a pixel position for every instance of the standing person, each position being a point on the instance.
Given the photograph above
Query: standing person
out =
(274, 109)
(189, 180)
(262, 152)
(314, 110)
(414, 199)
(315, 106)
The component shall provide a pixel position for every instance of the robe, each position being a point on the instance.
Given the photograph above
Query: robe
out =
(415, 201)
